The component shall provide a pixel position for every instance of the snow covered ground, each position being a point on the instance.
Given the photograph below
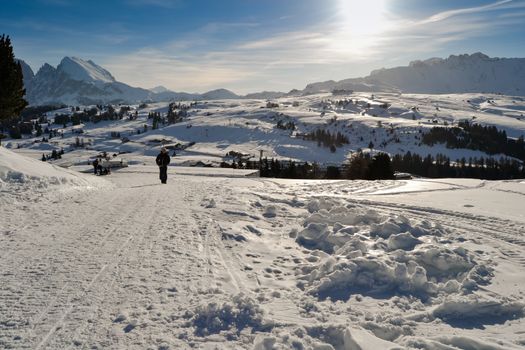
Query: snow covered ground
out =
(219, 262)
(214, 128)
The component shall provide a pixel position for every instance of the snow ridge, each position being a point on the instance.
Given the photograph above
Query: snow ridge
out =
(78, 69)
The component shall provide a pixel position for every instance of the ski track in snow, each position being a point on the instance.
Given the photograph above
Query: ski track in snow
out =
(120, 268)
(99, 258)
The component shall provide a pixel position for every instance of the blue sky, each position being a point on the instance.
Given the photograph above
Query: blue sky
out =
(255, 45)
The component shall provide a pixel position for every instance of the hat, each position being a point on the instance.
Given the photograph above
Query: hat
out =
(163, 149)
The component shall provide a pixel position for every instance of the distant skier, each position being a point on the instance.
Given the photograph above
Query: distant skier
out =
(163, 159)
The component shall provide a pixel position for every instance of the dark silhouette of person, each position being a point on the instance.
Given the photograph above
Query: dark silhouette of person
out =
(95, 165)
(163, 159)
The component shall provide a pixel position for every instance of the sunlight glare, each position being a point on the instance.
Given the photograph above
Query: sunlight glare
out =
(360, 24)
(362, 17)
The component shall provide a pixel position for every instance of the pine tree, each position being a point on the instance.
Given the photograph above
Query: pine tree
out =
(380, 167)
(11, 82)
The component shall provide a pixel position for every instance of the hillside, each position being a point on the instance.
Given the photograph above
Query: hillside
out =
(217, 131)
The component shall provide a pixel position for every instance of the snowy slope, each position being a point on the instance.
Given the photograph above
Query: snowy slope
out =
(230, 263)
(217, 127)
(22, 177)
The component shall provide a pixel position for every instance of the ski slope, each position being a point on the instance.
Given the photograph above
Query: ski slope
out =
(222, 262)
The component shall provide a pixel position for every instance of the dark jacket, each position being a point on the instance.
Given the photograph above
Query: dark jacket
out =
(163, 159)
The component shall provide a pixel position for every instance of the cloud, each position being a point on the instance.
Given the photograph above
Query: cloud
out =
(470, 10)
(457, 25)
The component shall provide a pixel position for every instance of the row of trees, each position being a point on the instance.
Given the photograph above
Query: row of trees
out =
(381, 166)
(362, 166)
(327, 139)
(487, 139)
(176, 112)
(441, 166)
(91, 115)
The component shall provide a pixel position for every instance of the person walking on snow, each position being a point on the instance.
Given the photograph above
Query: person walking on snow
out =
(163, 159)
(95, 165)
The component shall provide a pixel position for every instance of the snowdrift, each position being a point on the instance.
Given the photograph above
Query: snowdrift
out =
(21, 173)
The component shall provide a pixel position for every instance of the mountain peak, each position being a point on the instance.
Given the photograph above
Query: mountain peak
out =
(219, 94)
(46, 69)
(159, 89)
(88, 71)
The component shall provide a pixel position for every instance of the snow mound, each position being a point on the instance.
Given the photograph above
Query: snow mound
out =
(18, 173)
(325, 337)
(458, 342)
(381, 256)
(475, 311)
(233, 317)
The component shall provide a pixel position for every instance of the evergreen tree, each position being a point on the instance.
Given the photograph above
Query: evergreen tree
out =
(380, 167)
(11, 82)
(358, 166)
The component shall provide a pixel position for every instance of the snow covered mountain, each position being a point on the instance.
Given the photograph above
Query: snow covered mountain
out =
(355, 84)
(456, 74)
(265, 95)
(159, 89)
(88, 71)
(219, 94)
(75, 81)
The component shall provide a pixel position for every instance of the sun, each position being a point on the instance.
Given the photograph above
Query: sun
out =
(362, 18)
(359, 27)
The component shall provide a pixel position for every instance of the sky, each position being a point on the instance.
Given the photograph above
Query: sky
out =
(255, 45)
